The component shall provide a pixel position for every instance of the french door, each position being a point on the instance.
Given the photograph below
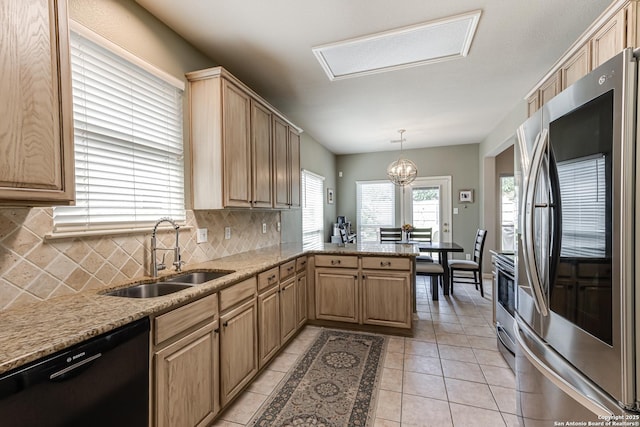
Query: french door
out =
(427, 204)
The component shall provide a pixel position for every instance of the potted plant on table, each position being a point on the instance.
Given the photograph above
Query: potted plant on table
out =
(406, 231)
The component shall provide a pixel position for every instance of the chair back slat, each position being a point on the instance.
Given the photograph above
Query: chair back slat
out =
(478, 246)
(422, 235)
(390, 234)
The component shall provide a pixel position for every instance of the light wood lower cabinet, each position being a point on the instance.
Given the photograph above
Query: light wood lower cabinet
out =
(386, 298)
(301, 293)
(186, 364)
(238, 345)
(288, 304)
(337, 294)
(269, 323)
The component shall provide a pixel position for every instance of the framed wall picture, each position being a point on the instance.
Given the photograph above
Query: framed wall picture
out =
(330, 196)
(465, 196)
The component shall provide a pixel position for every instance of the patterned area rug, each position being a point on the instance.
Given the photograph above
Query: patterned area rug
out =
(334, 384)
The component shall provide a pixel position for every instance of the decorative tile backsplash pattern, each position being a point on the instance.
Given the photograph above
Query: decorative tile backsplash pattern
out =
(33, 269)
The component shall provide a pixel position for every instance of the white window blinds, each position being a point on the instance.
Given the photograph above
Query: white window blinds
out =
(376, 204)
(312, 209)
(128, 143)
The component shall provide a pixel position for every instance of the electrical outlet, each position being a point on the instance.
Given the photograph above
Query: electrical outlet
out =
(264, 228)
(467, 256)
(278, 226)
(201, 235)
(227, 233)
(455, 211)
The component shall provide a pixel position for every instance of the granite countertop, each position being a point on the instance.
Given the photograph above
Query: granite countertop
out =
(34, 331)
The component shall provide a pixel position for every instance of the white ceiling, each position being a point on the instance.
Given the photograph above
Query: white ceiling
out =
(267, 45)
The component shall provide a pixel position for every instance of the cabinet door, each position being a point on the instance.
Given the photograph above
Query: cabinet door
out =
(187, 380)
(269, 324)
(288, 303)
(294, 169)
(533, 103)
(301, 294)
(550, 88)
(280, 163)
(261, 156)
(576, 67)
(337, 295)
(386, 299)
(238, 349)
(609, 40)
(236, 146)
(36, 129)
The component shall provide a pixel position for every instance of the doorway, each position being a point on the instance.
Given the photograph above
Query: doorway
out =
(427, 204)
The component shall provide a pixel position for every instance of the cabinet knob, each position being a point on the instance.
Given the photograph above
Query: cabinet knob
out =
(216, 330)
(385, 263)
(225, 324)
(335, 261)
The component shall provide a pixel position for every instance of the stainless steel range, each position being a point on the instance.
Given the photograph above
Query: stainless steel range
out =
(505, 304)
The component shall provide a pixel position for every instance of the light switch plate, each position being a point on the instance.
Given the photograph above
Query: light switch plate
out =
(278, 226)
(264, 228)
(201, 235)
(227, 233)
(455, 211)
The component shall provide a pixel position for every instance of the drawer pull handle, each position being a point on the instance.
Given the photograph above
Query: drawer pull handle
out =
(290, 268)
(385, 263)
(272, 277)
(335, 261)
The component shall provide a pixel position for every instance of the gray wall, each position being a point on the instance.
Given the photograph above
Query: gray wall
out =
(317, 159)
(460, 162)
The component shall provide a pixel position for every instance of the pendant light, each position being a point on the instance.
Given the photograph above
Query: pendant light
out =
(402, 171)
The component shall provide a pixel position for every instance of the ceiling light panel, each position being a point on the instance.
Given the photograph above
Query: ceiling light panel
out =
(405, 47)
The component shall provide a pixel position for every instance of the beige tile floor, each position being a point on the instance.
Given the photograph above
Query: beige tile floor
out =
(449, 374)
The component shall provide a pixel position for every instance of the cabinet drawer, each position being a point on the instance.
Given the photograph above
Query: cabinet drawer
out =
(237, 293)
(183, 318)
(301, 263)
(386, 263)
(336, 261)
(268, 278)
(287, 269)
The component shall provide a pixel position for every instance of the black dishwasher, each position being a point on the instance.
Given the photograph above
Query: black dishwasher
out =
(103, 381)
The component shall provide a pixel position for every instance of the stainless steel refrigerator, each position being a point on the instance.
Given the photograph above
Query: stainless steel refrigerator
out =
(576, 252)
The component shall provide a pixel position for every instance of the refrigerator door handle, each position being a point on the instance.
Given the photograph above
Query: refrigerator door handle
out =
(528, 248)
(589, 402)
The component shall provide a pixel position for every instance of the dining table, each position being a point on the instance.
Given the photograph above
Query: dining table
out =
(442, 249)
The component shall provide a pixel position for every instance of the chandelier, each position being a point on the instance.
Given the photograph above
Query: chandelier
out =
(402, 171)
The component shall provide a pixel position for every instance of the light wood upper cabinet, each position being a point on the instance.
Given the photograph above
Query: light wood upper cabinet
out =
(550, 88)
(609, 40)
(261, 156)
(236, 148)
(240, 150)
(36, 130)
(576, 67)
(294, 171)
(533, 103)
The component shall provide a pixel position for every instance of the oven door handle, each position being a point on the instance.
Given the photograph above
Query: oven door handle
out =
(528, 248)
(592, 403)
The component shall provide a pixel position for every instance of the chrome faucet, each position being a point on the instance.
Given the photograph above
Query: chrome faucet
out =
(177, 261)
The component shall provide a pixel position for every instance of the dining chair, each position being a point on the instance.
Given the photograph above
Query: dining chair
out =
(390, 234)
(422, 235)
(469, 266)
(435, 271)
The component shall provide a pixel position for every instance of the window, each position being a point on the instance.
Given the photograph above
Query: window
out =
(376, 205)
(508, 212)
(128, 143)
(312, 209)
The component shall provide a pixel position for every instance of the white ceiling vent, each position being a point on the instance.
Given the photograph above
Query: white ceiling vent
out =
(433, 41)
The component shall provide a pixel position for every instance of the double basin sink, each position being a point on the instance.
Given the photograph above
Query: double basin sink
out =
(168, 286)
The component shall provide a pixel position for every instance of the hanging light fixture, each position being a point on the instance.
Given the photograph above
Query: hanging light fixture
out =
(402, 171)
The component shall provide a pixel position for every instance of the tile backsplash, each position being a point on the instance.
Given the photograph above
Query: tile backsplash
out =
(34, 269)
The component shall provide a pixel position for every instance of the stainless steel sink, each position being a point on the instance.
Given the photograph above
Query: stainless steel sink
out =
(198, 277)
(149, 290)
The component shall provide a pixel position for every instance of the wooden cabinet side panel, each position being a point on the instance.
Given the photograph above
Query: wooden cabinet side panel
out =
(268, 324)
(236, 147)
(294, 164)
(186, 374)
(387, 299)
(206, 143)
(36, 130)
(280, 180)
(238, 349)
(261, 151)
(336, 293)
